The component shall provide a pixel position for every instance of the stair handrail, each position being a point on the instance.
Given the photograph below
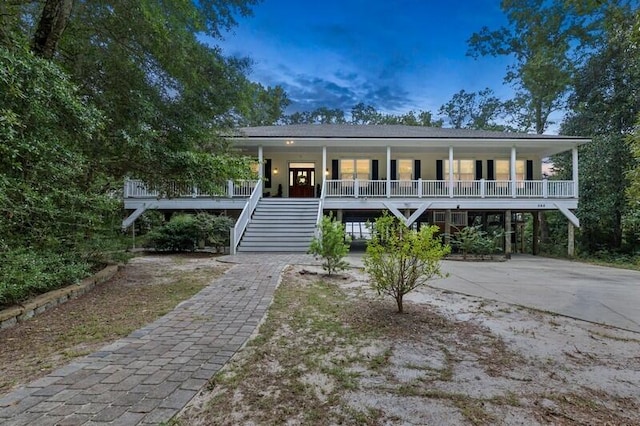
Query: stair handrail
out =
(235, 233)
(320, 210)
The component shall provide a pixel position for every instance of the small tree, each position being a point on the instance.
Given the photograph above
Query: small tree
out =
(399, 259)
(332, 245)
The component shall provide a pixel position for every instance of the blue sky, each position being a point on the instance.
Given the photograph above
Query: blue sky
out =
(397, 55)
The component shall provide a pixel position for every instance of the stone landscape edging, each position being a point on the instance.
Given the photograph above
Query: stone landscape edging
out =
(11, 316)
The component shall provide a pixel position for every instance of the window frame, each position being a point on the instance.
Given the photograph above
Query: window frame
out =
(355, 174)
(457, 175)
(520, 176)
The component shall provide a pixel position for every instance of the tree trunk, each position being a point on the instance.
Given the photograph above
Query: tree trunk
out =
(52, 23)
(399, 303)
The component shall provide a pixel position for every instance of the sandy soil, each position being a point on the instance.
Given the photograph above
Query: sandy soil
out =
(333, 352)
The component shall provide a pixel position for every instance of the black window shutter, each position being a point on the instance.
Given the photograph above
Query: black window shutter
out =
(439, 173)
(267, 173)
(334, 170)
(490, 173)
(392, 173)
(529, 169)
(416, 169)
(374, 169)
(478, 169)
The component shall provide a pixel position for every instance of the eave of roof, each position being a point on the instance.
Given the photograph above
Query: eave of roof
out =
(347, 137)
(350, 131)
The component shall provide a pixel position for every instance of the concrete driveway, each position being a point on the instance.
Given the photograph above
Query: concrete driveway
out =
(592, 293)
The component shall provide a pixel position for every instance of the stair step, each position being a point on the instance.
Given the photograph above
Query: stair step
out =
(281, 230)
(281, 225)
(271, 240)
(287, 209)
(285, 221)
(311, 215)
(292, 246)
(270, 250)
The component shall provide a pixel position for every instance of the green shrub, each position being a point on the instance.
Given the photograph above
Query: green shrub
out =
(400, 259)
(332, 245)
(214, 230)
(185, 231)
(26, 273)
(473, 240)
(180, 234)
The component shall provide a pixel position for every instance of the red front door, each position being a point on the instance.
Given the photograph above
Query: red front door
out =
(302, 182)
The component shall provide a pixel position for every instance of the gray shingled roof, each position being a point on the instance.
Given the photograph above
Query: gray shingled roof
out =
(381, 131)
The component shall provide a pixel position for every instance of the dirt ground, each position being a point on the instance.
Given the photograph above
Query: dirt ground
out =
(333, 352)
(145, 289)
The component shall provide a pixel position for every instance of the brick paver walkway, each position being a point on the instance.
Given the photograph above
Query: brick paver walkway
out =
(149, 376)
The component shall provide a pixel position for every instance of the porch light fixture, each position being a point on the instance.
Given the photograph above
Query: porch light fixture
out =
(326, 173)
(275, 171)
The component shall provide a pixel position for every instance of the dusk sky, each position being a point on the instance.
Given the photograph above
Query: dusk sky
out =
(394, 55)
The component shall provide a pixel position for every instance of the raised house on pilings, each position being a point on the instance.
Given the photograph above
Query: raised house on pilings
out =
(451, 177)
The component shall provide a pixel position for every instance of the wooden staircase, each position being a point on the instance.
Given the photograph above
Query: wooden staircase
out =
(281, 225)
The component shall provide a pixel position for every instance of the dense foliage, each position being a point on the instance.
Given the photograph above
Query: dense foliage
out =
(399, 259)
(604, 105)
(91, 93)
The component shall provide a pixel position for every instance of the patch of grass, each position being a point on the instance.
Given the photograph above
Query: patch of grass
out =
(345, 379)
(473, 410)
(381, 360)
(613, 261)
(371, 416)
(446, 374)
(509, 398)
(612, 337)
(554, 323)
(75, 353)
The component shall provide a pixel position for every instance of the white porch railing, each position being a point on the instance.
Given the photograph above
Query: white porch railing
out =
(442, 188)
(236, 232)
(134, 188)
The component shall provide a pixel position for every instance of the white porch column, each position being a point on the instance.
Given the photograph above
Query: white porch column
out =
(388, 171)
(450, 172)
(324, 164)
(574, 155)
(512, 172)
(260, 163)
